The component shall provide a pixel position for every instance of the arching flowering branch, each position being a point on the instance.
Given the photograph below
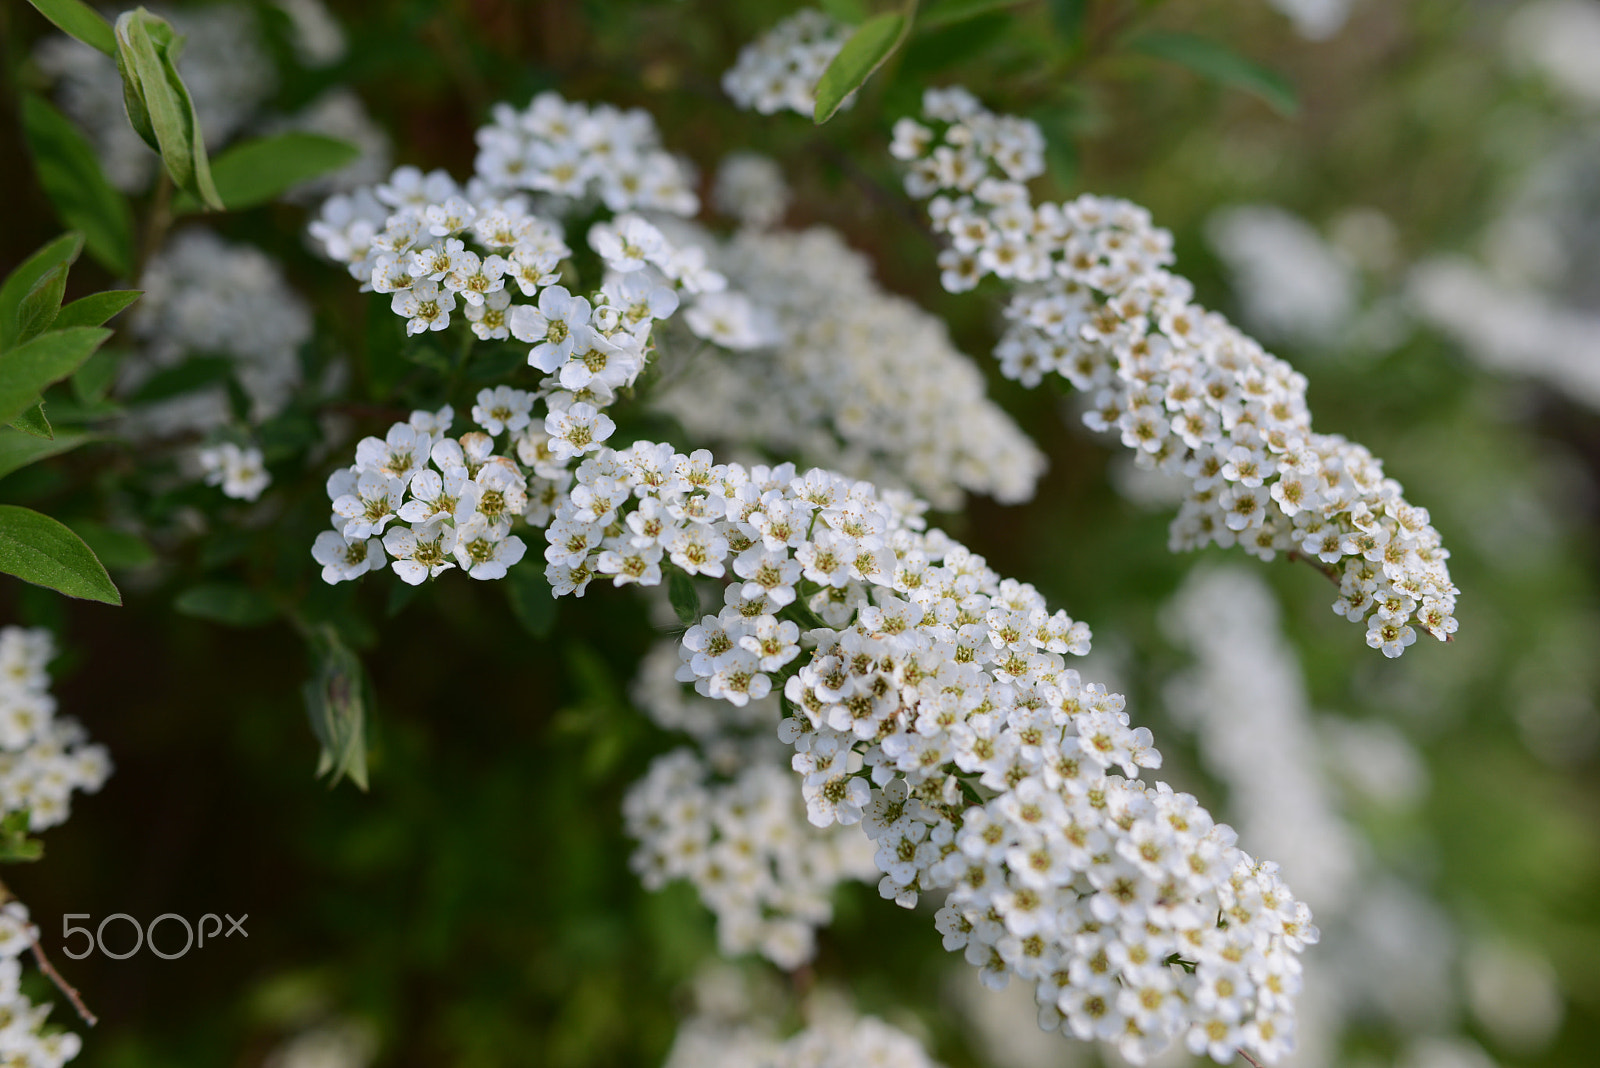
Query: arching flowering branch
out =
(929, 701)
(1185, 389)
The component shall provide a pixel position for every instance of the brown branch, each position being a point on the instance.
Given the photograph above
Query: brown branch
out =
(62, 985)
(1249, 1058)
(49, 969)
(1327, 569)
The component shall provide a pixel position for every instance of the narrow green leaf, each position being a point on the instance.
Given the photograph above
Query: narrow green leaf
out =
(77, 19)
(41, 305)
(117, 549)
(1069, 17)
(1221, 64)
(226, 602)
(33, 422)
(531, 600)
(92, 381)
(37, 549)
(684, 597)
(72, 178)
(872, 43)
(336, 705)
(159, 104)
(949, 12)
(96, 308)
(26, 278)
(18, 449)
(253, 172)
(27, 370)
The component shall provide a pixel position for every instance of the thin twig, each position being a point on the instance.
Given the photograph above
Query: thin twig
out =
(62, 985)
(1326, 569)
(1249, 1058)
(50, 969)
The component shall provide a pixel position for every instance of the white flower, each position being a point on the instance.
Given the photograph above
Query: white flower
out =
(425, 307)
(501, 409)
(345, 558)
(483, 552)
(421, 552)
(239, 472)
(556, 327)
(579, 429)
(369, 506)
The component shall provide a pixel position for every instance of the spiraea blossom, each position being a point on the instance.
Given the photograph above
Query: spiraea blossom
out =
(779, 70)
(207, 296)
(43, 757)
(838, 1040)
(858, 380)
(1195, 398)
(743, 841)
(725, 815)
(928, 700)
(240, 472)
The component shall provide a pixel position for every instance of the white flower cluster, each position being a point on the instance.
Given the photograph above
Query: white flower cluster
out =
(780, 68)
(574, 151)
(837, 1041)
(431, 500)
(863, 381)
(239, 472)
(1245, 702)
(408, 238)
(23, 1041)
(1193, 396)
(750, 187)
(934, 707)
(1291, 284)
(207, 296)
(746, 847)
(42, 758)
(228, 72)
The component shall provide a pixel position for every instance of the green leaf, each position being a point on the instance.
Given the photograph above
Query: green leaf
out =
(872, 43)
(21, 283)
(37, 549)
(159, 105)
(96, 308)
(77, 19)
(18, 449)
(1068, 17)
(1221, 64)
(42, 304)
(226, 602)
(949, 12)
(336, 705)
(32, 421)
(684, 597)
(531, 600)
(117, 549)
(71, 176)
(253, 172)
(15, 844)
(92, 381)
(27, 370)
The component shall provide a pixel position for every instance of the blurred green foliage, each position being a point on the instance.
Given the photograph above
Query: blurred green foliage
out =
(475, 906)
